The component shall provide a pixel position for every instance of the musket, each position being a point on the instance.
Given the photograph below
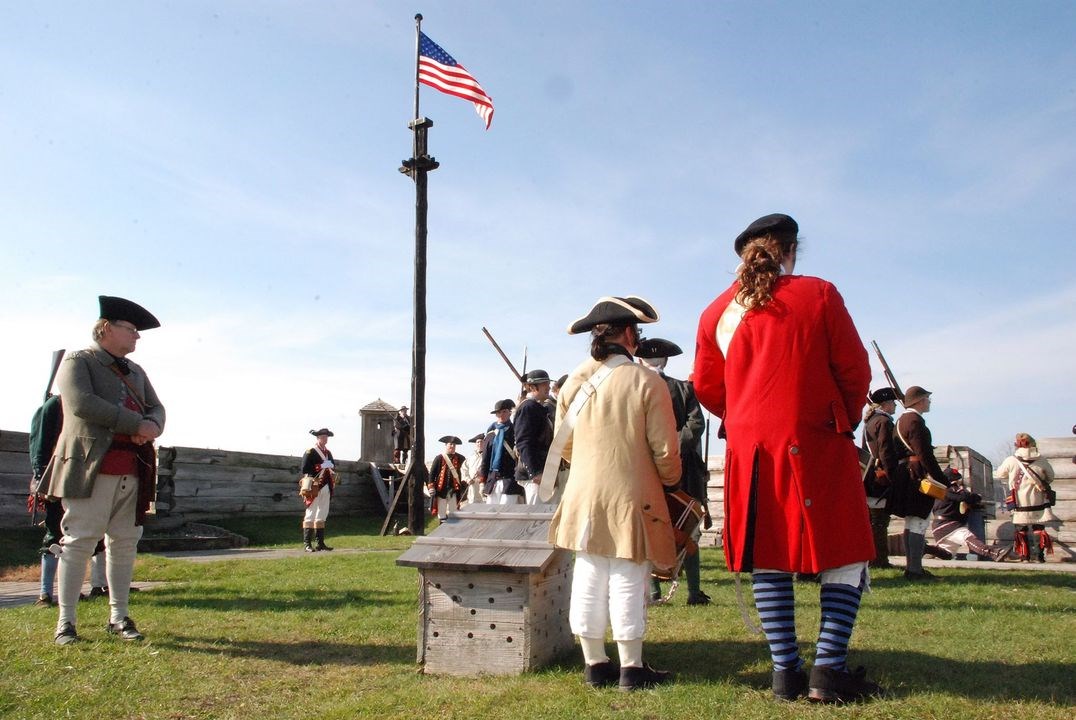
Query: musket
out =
(888, 372)
(57, 359)
(503, 356)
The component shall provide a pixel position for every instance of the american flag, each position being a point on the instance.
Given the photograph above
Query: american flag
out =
(440, 70)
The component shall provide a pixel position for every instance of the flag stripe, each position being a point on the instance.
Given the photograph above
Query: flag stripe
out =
(439, 70)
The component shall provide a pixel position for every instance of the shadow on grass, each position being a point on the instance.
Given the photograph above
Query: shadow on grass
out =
(902, 673)
(306, 653)
(1000, 578)
(312, 600)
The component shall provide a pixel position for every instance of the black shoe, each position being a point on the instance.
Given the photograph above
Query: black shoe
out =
(829, 685)
(125, 629)
(98, 592)
(699, 598)
(309, 548)
(923, 576)
(43, 601)
(601, 675)
(66, 634)
(637, 678)
(938, 552)
(789, 684)
(880, 565)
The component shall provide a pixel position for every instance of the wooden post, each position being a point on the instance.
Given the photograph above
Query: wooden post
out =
(416, 167)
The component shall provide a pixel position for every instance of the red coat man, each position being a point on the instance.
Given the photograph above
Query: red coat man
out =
(790, 393)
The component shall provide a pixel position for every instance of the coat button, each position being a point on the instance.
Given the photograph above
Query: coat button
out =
(794, 450)
(646, 507)
(807, 502)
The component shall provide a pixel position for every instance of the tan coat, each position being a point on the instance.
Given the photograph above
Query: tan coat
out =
(93, 412)
(624, 449)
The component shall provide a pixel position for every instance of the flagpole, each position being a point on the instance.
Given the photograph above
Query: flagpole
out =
(417, 167)
(418, 45)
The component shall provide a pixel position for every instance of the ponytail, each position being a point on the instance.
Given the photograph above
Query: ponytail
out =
(761, 267)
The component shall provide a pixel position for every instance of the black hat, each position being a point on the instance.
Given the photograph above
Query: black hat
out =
(477, 437)
(651, 348)
(502, 405)
(914, 394)
(775, 224)
(450, 439)
(323, 431)
(881, 395)
(117, 308)
(564, 378)
(536, 377)
(615, 310)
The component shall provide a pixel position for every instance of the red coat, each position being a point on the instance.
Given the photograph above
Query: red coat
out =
(790, 395)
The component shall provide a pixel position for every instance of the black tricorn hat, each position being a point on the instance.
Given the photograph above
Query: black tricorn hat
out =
(477, 437)
(775, 224)
(117, 308)
(502, 405)
(450, 439)
(536, 377)
(322, 431)
(615, 310)
(882, 395)
(651, 348)
(564, 378)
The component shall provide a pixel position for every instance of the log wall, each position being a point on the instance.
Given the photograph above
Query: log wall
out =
(197, 484)
(1058, 452)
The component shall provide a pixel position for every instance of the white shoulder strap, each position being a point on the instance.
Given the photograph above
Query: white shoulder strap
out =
(451, 467)
(567, 424)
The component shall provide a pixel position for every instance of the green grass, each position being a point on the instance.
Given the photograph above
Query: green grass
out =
(333, 636)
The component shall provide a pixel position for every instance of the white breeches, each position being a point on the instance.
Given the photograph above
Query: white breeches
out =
(855, 574)
(608, 591)
(109, 512)
(318, 511)
(956, 540)
(446, 505)
(497, 496)
(917, 525)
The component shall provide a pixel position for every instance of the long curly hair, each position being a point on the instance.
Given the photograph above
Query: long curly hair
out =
(761, 258)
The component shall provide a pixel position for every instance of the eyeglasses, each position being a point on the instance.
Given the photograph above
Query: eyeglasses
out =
(129, 328)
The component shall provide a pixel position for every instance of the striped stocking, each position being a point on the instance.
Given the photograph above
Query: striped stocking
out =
(776, 605)
(840, 604)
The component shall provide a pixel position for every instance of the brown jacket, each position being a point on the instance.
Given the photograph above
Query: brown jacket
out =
(623, 451)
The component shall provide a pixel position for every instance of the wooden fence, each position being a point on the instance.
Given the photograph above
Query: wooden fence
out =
(1058, 452)
(198, 485)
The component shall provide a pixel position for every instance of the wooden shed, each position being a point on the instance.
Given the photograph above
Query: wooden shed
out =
(493, 593)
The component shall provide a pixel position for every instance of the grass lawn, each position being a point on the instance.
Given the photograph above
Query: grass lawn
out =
(333, 636)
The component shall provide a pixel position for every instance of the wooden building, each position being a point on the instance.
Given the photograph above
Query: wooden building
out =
(493, 593)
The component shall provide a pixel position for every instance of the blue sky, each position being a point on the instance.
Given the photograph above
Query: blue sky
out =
(233, 167)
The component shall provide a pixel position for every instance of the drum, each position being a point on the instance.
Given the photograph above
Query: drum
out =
(685, 513)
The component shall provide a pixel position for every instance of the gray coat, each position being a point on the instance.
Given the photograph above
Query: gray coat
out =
(93, 411)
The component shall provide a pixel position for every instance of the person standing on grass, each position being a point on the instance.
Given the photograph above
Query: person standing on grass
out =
(104, 466)
(447, 486)
(624, 452)
(318, 464)
(908, 500)
(471, 468)
(779, 360)
(654, 353)
(884, 468)
(1027, 478)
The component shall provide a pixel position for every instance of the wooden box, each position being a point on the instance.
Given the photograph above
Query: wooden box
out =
(493, 593)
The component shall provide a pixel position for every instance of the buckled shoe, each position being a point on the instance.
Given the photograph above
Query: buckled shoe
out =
(789, 685)
(125, 629)
(66, 634)
(600, 675)
(637, 678)
(829, 685)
